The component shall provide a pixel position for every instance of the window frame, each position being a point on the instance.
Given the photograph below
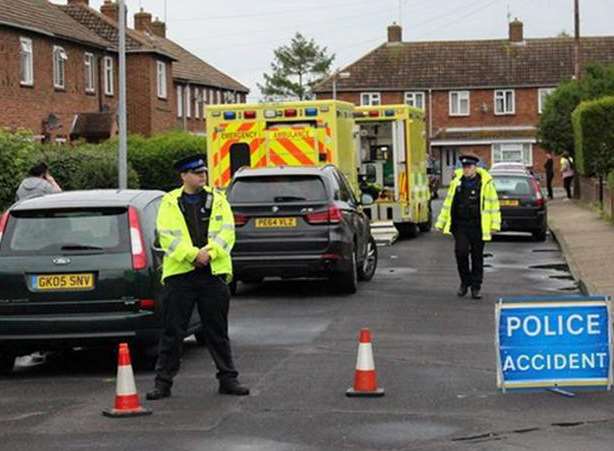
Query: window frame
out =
(29, 52)
(89, 61)
(460, 95)
(540, 101)
(524, 147)
(373, 98)
(161, 80)
(197, 103)
(180, 103)
(413, 95)
(188, 101)
(218, 96)
(59, 67)
(502, 93)
(109, 82)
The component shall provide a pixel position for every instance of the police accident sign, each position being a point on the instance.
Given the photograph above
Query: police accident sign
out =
(547, 342)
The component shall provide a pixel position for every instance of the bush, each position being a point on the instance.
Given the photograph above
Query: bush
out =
(611, 180)
(15, 151)
(153, 158)
(593, 124)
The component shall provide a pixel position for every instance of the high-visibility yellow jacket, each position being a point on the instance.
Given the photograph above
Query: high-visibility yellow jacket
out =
(179, 252)
(489, 205)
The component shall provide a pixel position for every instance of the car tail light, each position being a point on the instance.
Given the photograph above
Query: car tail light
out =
(147, 304)
(332, 215)
(539, 197)
(4, 219)
(139, 257)
(240, 220)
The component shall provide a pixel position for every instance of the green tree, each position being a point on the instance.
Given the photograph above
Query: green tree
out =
(555, 130)
(297, 68)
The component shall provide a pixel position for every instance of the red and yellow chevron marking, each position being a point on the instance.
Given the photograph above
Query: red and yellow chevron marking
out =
(223, 138)
(292, 146)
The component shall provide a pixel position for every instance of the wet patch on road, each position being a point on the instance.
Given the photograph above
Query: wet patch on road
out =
(396, 434)
(276, 331)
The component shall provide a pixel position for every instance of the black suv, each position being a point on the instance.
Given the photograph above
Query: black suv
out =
(79, 269)
(300, 222)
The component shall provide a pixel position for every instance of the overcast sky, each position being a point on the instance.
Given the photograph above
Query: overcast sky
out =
(238, 36)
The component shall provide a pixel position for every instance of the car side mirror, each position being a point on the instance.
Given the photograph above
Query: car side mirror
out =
(366, 199)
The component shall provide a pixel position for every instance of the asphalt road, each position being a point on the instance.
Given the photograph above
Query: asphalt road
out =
(295, 346)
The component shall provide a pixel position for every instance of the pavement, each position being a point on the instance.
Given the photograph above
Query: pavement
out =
(295, 345)
(587, 242)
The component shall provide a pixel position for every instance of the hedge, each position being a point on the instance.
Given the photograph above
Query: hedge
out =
(593, 123)
(89, 166)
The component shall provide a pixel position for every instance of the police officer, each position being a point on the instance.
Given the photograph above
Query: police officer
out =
(471, 213)
(196, 230)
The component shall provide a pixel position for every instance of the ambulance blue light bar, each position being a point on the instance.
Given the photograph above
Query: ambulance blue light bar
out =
(228, 115)
(389, 113)
(311, 111)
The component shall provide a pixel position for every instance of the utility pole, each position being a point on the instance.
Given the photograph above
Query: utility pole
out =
(577, 71)
(122, 158)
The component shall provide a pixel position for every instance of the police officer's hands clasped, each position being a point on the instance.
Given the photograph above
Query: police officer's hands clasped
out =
(202, 258)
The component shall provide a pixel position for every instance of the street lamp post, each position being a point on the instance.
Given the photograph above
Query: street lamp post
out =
(122, 157)
(341, 75)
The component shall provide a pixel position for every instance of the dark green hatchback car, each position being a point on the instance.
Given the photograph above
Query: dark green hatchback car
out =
(80, 269)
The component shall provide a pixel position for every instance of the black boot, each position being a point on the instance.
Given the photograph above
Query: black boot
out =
(462, 290)
(158, 393)
(233, 387)
(475, 293)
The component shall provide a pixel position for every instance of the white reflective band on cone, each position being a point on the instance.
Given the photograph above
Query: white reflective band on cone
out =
(364, 362)
(125, 381)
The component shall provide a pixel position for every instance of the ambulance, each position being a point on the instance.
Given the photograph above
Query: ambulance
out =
(392, 143)
(304, 133)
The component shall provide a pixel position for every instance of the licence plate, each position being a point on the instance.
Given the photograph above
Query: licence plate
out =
(270, 223)
(56, 282)
(508, 203)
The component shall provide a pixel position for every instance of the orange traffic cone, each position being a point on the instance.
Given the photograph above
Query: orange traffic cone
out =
(127, 402)
(365, 379)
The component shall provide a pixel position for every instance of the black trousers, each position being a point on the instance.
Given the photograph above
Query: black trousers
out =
(469, 243)
(567, 183)
(212, 296)
(549, 178)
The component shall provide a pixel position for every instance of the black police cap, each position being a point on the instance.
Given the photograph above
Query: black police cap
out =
(468, 159)
(192, 163)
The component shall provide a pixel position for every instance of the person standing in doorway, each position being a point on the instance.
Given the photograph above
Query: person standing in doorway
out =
(470, 213)
(568, 172)
(549, 169)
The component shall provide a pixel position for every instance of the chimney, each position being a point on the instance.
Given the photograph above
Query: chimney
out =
(79, 2)
(158, 28)
(395, 33)
(516, 33)
(110, 9)
(142, 21)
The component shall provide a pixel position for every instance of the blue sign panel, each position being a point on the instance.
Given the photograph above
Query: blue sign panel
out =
(545, 343)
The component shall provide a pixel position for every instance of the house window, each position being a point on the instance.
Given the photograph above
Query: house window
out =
(459, 103)
(238, 98)
(542, 94)
(108, 76)
(188, 101)
(161, 79)
(513, 152)
(179, 101)
(27, 62)
(415, 99)
(197, 103)
(504, 101)
(59, 67)
(219, 96)
(89, 72)
(370, 99)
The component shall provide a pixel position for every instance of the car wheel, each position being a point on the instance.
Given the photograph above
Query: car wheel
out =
(540, 235)
(369, 265)
(407, 229)
(200, 337)
(347, 281)
(7, 362)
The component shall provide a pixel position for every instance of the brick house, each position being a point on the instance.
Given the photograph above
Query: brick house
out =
(60, 79)
(482, 96)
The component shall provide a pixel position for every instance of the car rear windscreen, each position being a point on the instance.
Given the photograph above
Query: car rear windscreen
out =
(277, 189)
(51, 232)
(513, 185)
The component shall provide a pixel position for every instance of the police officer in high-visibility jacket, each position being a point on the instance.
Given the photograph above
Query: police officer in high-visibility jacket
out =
(196, 230)
(471, 213)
